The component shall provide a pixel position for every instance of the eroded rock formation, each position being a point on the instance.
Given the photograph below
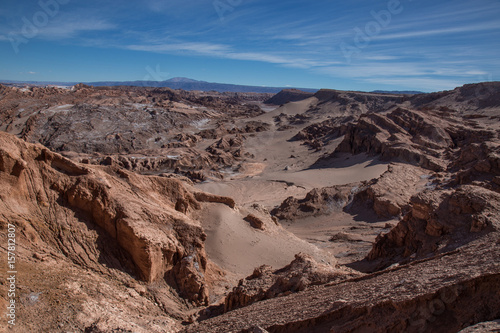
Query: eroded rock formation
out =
(440, 221)
(317, 202)
(266, 283)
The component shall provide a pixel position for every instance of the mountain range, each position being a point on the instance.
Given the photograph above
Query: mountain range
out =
(185, 84)
(173, 83)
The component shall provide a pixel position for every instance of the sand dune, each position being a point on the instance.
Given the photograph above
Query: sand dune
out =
(238, 248)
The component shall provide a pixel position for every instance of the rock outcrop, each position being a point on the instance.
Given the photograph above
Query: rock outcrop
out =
(480, 99)
(320, 201)
(424, 138)
(266, 283)
(208, 197)
(489, 326)
(319, 134)
(410, 136)
(226, 150)
(346, 103)
(255, 221)
(389, 195)
(439, 222)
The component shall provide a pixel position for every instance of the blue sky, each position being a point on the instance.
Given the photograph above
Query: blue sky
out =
(351, 45)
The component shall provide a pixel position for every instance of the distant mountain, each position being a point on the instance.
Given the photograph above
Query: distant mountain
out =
(38, 83)
(182, 80)
(398, 92)
(174, 83)
(190, 84)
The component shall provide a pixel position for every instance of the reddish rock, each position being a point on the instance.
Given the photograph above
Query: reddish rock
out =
(439, 221)
(255, 221)
(137, 212)
(266, 283)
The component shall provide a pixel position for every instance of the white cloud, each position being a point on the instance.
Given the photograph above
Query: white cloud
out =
(65, 26)
(227, 52)
(195, 47)
(443, 31)
(425, 84)
(69, 27)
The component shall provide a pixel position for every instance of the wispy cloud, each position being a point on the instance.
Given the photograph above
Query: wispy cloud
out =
(441, 31)
(366, 69)
(228, 52)
(381, 57)
(415, 75)
(72, 27)
(63, 27)
(173, 6)
(29, 73)
(199, 48)
(424, 84)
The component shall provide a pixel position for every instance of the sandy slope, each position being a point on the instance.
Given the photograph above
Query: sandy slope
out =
(347, 237)
(237, 247)
(290, 109)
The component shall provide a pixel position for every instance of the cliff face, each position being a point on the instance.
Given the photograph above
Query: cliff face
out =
(439, 222)
(105, 219)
